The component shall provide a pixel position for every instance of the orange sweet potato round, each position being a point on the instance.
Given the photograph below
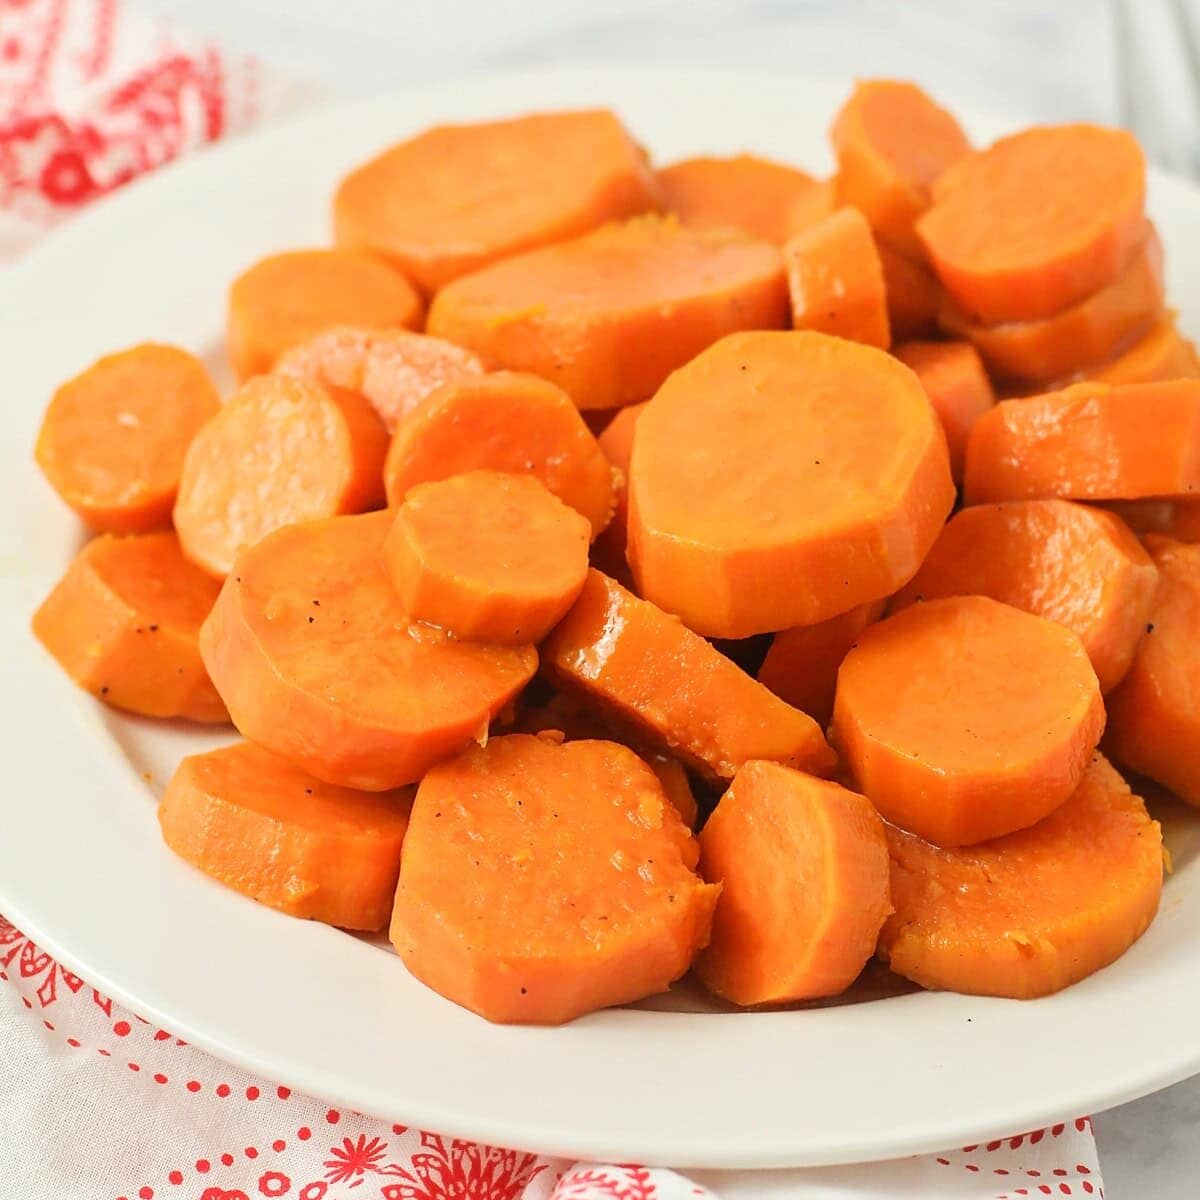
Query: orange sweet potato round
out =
(113, 440)
(503, 421)
(281, 450)
(648, 673)
(1091, 441)
(964, 719)
(543, 880)
(1009, 251)
(457, 197)
(609, 316)
(288, 298)
(892, 143)
(782, 478)
(267, 829)
(310, 649)
(489, 556)
(1028, 914)
(803, 868)
(124, 623)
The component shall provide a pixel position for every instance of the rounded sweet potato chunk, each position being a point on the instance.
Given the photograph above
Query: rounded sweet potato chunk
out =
(803, 868)
(1066, 562)
(1028, 914)
(275, 833)
(124, 623)
(315, 657)
(543, 880)
(457, 197)
(964, 719)
(780, 479)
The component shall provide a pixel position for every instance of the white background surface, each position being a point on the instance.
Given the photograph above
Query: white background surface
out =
(1052, 60)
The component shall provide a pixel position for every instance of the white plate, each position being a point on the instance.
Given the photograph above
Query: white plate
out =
(82, 869)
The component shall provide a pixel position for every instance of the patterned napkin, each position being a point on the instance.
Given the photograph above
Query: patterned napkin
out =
(97, 1104)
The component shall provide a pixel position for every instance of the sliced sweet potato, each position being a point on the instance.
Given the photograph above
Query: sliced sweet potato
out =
(457, 197)
(281, 450)
(1031, 913)
(504, 421)
(267, 829)
(1154, 715)
(835, 280)
(958, 387)
(1164, 353)
(892, 143)
(964, 719)
(114, 437)
(1089, 333)
(393, 369)
(1090, 441)
(1006, 251)
(801, 665)
(803, 868)
(914, 296)
(1066, 562)
(288, 298)
(541, 881)
(488, 556)
(124, 622)
(649, 673)
(744, 192)
(608, 317)
(782, 478)
(311, 651)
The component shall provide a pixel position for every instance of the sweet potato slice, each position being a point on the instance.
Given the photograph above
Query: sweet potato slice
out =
(914, 296)
(649, 673)
(124, 622)
(488, 556)
(835, 280)
(1006, 251)
(801, 664)
(1090, 441)
(1031, 913)
(744, 192)
(394, 370)
(541, 881)
(608, 317)
(958, 387)
(504, 421)
(288, 298)
(1089, 333)
(281, 450)
(1164, 353)
(616, 440)
(1066, 562)
(892, 142)
(457, 197)
(964, 719)
(267, 829)
(803, 868)
(782, 478)
(1154, 715)
(311, 651)
(113, 438)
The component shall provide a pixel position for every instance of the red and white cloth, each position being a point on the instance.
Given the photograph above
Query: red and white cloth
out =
(96, 1104)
